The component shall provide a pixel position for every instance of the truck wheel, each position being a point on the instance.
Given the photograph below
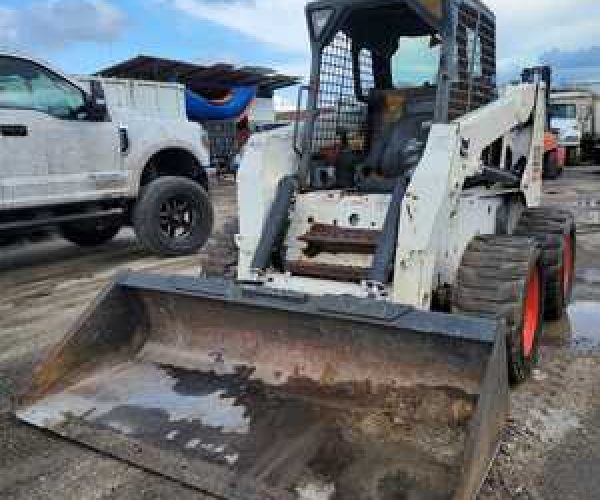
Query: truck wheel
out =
(500, 277)
(90, 233)
(551, 169)
(173, 217)
(572, 156)
(556, 233)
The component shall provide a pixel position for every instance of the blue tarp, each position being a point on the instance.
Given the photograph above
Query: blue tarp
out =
(201, 109)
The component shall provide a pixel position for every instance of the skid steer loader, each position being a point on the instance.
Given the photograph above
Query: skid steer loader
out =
(393, 275)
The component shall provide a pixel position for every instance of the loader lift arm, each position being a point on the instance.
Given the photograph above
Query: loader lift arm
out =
(455, 153)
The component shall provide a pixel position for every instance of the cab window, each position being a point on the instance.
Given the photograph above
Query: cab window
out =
(416, 63)
(564, 111)
(25, 85)
(474, 54)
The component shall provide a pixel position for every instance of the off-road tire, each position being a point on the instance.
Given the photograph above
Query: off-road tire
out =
(147, 216)
(495, 278)
(553, 229)
(91, 233)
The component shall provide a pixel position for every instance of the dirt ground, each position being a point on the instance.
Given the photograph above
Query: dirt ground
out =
(551, 448)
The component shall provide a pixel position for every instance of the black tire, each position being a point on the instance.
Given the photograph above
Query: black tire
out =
(91, 233)
(555, 230)
(572, 158)
(496, 279)
(551, 169)
(190, 211)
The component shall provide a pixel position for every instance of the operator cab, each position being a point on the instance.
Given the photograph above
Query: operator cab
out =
(383, 71)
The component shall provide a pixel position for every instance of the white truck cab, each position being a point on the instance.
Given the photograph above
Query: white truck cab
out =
(570, 119)
(89, 155)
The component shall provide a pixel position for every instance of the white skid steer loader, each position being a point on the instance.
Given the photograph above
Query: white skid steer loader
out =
(394, 273)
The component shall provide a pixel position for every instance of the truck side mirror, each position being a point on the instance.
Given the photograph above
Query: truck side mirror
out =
(96, 108)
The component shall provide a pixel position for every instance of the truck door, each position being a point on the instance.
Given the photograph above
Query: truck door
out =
(78, 159)
(23, 158)
(84, 158)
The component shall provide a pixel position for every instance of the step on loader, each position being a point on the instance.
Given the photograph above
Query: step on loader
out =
(394, 271)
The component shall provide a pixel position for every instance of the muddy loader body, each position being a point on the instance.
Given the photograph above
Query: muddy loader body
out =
(393, 274)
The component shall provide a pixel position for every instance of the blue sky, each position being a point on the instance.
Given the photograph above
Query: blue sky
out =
(82, 36)
(132, 27)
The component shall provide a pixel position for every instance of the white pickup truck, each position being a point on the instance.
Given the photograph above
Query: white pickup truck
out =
(90, 155)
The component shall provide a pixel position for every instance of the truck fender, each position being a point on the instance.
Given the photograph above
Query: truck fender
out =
(139, 161)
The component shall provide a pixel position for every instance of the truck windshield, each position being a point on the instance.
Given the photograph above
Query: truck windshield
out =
(564, 111)
(416, 62)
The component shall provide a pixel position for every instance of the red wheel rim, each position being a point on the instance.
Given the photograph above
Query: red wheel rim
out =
(531, 317)
(568, 266)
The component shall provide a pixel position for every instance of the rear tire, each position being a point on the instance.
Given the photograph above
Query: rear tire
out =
(500, 277)
(572, 159)
(173, 217)
(551, 169)
(556, 233)
(90, 233)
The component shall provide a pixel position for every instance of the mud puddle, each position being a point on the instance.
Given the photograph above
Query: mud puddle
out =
(393, 443)
(579, 329)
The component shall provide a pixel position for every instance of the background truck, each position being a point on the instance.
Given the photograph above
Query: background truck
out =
(569, 116)
(575, 113)
(89, 155)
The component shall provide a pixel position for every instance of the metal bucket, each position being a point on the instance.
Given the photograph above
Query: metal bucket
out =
(251, 394)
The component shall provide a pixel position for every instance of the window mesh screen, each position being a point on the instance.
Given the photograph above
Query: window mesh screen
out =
(338, 107)
(471, 91)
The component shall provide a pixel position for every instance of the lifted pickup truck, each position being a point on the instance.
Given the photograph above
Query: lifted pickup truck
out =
(89, 155)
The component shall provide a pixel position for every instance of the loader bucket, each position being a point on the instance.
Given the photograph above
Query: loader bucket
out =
(251, 394)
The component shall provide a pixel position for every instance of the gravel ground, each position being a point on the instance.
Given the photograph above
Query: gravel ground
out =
(551, 448)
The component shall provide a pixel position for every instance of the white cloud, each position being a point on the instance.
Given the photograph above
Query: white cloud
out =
(526, 30)
(56, 23)
(279, 23)
(8, 31)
